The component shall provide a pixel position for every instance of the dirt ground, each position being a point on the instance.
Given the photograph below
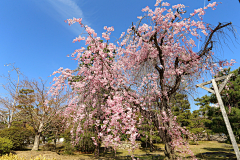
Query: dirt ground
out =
(49, 154)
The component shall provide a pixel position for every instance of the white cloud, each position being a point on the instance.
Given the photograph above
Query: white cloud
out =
(67, 9)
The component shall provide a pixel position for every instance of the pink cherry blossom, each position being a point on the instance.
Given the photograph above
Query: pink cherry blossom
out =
(109, 96)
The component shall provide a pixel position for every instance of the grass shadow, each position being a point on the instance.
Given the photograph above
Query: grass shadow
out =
(218, 149)
(155, 148)
(141, 157)
(110, 154)
(217, 153)
(25, 149)
(105, 154)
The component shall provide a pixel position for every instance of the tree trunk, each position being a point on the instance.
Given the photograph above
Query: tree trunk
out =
(44, 140)
(9, 125)
(55, 143)
(151, 143)
(97, 150)
(37, 137)
(167, 139)
(169, 152)
(36, 142)
(163, 134)
(208, 137)
(10, 118)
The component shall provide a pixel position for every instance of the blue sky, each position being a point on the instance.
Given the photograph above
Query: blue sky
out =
(34, 36)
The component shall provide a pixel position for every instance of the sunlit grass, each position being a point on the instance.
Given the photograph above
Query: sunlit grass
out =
(219, 150)
(204, 150)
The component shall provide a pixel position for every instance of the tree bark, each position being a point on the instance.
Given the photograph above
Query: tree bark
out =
(150, 139)
(163, 134)
(10, 118)
(9, 125)
(37, 137)
(167, 139)
(44, 140)
(97, 150)
(36, 142)
(55, 143)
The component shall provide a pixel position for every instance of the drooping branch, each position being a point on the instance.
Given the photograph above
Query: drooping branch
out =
(209, 41)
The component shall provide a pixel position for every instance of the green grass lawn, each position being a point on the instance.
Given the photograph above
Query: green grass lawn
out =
(204, 150)
(213, 150)
(208, 150)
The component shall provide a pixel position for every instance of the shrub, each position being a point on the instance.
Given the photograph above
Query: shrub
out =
(49, 147)
(5, 145)
(193, 143)
(85, 143)
(18, 136)
(68, 147)
(15, 157)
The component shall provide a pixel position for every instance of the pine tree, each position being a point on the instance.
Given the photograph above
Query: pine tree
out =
(201, 119)
(230, 96)
(181, 109)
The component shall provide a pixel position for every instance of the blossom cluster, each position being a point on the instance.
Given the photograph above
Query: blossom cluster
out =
(106, 97)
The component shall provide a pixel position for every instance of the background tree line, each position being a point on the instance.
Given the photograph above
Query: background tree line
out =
(30, 113)
(27, 107)
(25, 116)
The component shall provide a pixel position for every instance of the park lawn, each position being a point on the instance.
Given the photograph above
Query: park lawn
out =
(210, 146)
(204, 150)
(143, 151)
(214, 150)
(219, 150)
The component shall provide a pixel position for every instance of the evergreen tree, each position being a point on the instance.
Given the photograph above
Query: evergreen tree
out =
(218, 125)
(230, 96)
(148, 134)
(181, 109)
(201, 119)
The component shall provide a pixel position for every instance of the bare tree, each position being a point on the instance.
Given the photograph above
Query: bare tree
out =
(38, 107)
(7, 109)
